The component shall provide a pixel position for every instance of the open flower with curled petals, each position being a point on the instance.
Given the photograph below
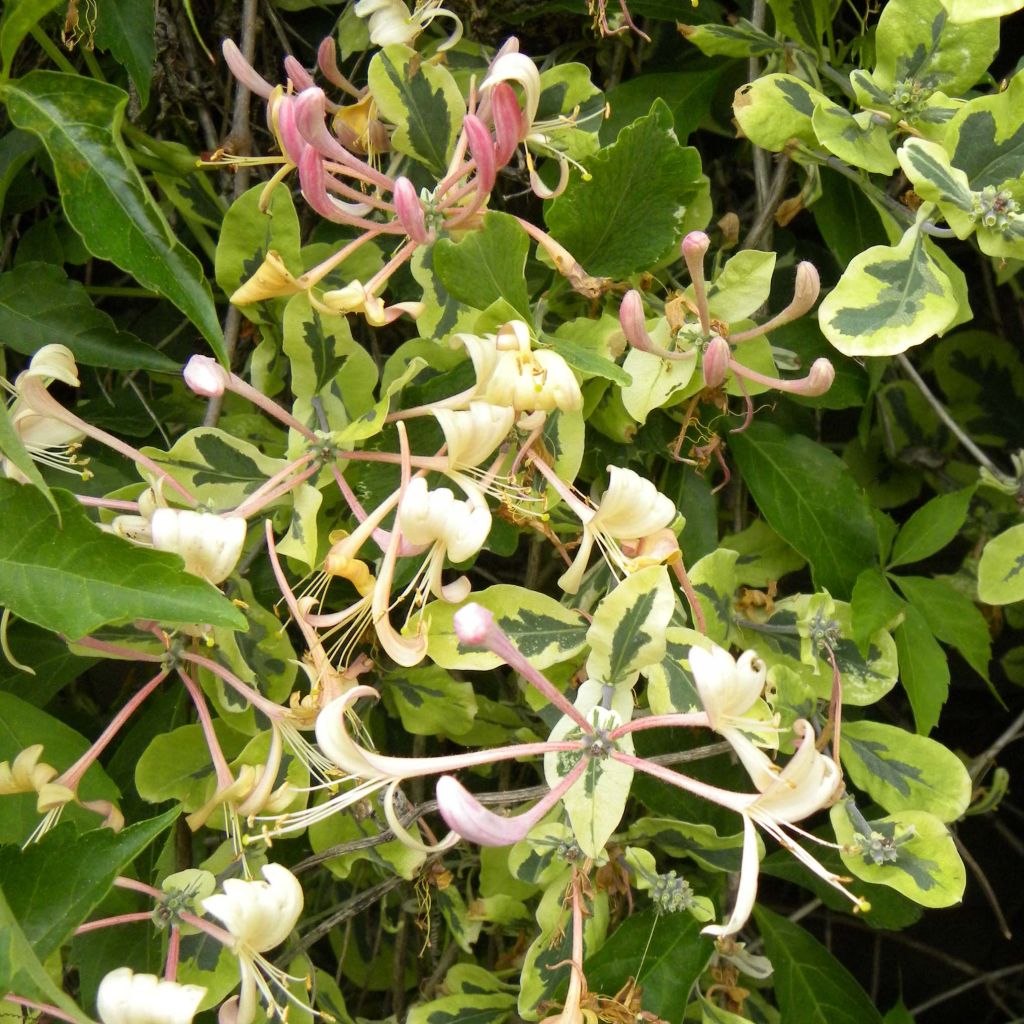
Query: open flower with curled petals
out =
(390, 21)
(210, 544)
(259, 915)
(355, 298)
(809, 782)
(455, 529)
(473, 434)
(50, 441)
(730, 691)
(631, 508)
(125, 997)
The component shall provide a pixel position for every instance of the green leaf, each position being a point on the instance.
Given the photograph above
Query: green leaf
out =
(463, 1008)
(596, 801)
(741, 39)
(811, 985)
(975, 10)
(775, 109)
(920, 859)
(809, 498)
(542, 629)
(742, 287)
(20, 17)
(847, 220)
(1001, 569)
(690, 839)
(952, 617)
(629, 214)
(176, 764)
(583, 358)
(901, 771)
(670, 685)
(430, 702)
(105, 200)
(74, 578)
(14, 450)
(803, 20)
(655, 382)
(20, 969)
(126, 30)
(53, 885)
(486, 265)
(931, 527)
(875, 605)
(855, 138)
(17, 148)
(924, 671)
(763, 555)
(665, 954)
(422, 100)
(40, 306)
(889, 299)
(628, 630)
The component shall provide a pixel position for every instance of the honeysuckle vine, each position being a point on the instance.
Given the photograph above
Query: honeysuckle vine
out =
(326, 585)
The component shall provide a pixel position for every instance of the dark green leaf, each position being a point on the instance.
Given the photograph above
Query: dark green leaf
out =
(39, 306)
(75, 578)
(666, 969)
(924, 672)
(79, 122)
(952, 617)
(20, 969)
(16, 149)
(20, 17)
(126, 30)
(628, 215)
(586, 361)
(486, 265)
(53, 885)
(809, 498)
(811, 985)
(14, 450)
(847, 220)
(875, 605)
(931, 527)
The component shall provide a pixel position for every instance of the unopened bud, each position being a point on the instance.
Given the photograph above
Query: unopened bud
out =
(510, 124)
(715, 364)
(481, 148)
(205, 376)
(820, 378)
(631, 317)
(694, 246)
(472, 624)
(410, 211)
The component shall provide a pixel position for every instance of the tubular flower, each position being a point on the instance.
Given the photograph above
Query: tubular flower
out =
(472, 434)
(259, 916)
(209, 544)
(390, 21)
(510, 372)
(631, 509)
(125, 997)
(48, 440)
(356, 298)
(455, 528)
(729, 691)
(809, 782)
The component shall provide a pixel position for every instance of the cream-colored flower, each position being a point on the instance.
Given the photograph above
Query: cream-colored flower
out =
(631, 508)
(472, 434)
(25, 774)
(48, 440)
(125, 997)
(390, 21)
(259, 916)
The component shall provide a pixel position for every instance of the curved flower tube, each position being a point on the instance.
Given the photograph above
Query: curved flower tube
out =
(124, 997)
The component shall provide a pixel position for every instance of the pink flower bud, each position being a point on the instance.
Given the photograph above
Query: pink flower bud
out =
(820, 378)
(715, 364)
(510, 125)
(631, 317)
(472, 624)
(297, 74)
(293, 145)
(410, 211)
(205, 376)
(481, 148)
(694, 246)
(464, 814)
(806, 290)
(244, 71)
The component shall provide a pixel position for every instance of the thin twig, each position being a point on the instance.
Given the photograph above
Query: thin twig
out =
(940, 410)
(766, 210)
(966, 986)
(980, 764)
(986, 887)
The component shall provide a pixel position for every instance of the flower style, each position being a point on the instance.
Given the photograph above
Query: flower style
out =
(631, 509)
(48, 440)
(125, 997)
(259, 916)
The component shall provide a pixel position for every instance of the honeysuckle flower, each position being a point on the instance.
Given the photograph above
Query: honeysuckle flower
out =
(390, 21)
(472, 434)
(456, 529)
(210, 544)
(630, 509)
(47, 439)
(25, 774)
(259, 915)
(125, 997)
(272, 280)
(355, 298)
(715, 364)
(730, 691)
(205, 377)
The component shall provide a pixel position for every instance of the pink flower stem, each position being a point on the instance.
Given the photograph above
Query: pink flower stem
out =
(115, 651)
(268, 405)
(321, 270)
(220, 763)
(135, 886)
(41, 401)
(256, 699)
(694, 720)
(203, 925)
(276, 479)
(73, 775)
(723, 797)
(582, 511)
(312, 640)
(121, 506)
(111, 922)
(382, 275)
(258, 501)
(173, 954)
(45, 1008)
(419, 461)
(691, 595)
